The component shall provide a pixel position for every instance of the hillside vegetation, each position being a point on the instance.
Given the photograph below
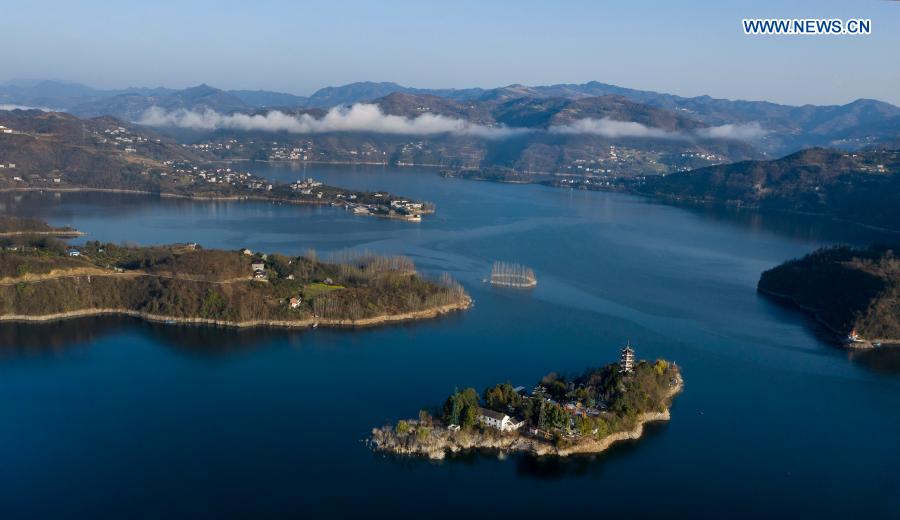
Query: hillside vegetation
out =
(862, 187)
(845, 288)
(187, 282)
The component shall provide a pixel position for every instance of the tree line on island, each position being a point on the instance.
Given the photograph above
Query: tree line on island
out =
(44, 276)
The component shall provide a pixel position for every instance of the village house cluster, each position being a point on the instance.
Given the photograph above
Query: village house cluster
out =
(9, 165)
(215, 146)
(121, 138)
(617, 160)
(306, 186)
(408, 207)
(188, 171)
(886, 156)
(705, 156)
(288, 153)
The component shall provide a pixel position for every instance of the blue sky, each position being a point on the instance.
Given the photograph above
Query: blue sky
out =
(687, 48)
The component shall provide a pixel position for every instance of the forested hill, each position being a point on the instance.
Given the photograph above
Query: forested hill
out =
(43, 278)
(845, 288)
(862, 186)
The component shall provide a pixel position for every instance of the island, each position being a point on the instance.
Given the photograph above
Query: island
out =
(42, 279)
(853, 292)
(560, 417)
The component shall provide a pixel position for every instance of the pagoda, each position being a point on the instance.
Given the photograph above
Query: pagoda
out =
(626, 361)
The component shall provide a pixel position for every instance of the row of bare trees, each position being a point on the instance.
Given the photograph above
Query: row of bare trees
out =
(512, 274)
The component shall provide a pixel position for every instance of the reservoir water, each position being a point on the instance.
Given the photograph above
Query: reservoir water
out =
(121, 418)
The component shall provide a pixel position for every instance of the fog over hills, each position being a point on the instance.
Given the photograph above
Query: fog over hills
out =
(592, 108)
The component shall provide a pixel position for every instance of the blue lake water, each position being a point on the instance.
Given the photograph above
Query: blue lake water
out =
(120, 418)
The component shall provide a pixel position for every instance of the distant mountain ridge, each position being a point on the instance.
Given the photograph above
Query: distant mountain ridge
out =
(787, 128)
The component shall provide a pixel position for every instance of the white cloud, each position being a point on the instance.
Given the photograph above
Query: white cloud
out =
(22, 107)
(740, 132)
(611, 128)
(361, 117)
(366, 117)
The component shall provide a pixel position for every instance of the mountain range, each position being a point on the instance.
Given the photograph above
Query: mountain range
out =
(784, 128)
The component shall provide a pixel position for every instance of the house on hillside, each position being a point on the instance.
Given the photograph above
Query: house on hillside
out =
(498, 420)
(294, 302)
(259, 269)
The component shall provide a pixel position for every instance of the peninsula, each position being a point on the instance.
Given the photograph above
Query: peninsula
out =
(560, 417)
(18, 226)
(50, 151)
(855, 293)
(43, 279)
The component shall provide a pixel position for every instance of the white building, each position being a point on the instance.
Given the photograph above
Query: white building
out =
(498, 420)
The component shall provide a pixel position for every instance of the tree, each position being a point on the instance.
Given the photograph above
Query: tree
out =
(660, 366)
(470, 416)
(499, 397)
(460, 405)
(402, 427)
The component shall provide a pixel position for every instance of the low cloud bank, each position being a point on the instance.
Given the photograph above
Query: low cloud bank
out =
(740, 132)
(611, 128)
(357, 118)
(22, 107)
(607, 127)
(366, 117)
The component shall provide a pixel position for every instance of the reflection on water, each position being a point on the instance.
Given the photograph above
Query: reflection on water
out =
(885, 360)
(593, 466)
(28, 339)
(805, 228)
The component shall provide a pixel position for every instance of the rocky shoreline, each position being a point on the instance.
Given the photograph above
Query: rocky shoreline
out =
(868, 344)
(442, 441)
(290, 324)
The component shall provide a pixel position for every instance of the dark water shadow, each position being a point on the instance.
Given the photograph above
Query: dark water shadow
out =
(587, 465)
(532, 466)
(794, 226)
(33, 339)
(23, 339)
(885, 360)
